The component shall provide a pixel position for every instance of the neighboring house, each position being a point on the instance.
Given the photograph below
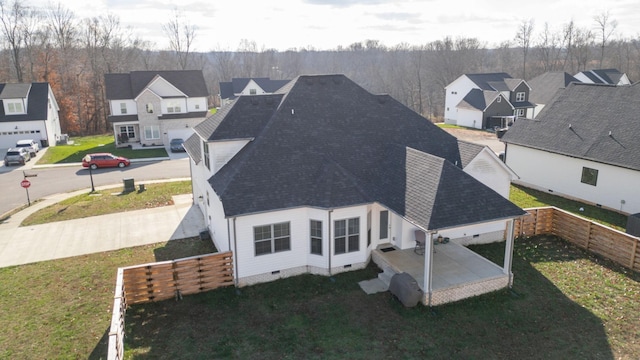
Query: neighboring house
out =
(487, 101)
(248, 86)
(149, 108)
(584, 146)
(603, 76)
(28, 111)
(545, 87)
(314, 178)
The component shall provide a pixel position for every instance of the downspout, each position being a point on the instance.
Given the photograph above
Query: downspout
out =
(329, 241)
(235, 253)
(228, 235)
(193, 200)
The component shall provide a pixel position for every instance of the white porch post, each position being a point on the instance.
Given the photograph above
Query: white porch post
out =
(508, 251)
(428, 267)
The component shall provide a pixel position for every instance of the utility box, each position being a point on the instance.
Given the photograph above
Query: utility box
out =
(129, 185)
(406, 289)
(633, 225)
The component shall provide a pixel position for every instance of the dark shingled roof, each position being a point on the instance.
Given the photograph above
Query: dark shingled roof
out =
(468, 151)
(192, 146)
(478, 99)
(329, 143)
(578, 123)
(38, 101)
(236, 85)
(490, 81)
(544, 87)
(129, 86)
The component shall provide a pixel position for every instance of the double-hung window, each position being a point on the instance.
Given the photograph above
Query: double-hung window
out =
(272, 238)
(347, 235)
(151, 132)
(520, 96)
(316, 237)
(123, 108)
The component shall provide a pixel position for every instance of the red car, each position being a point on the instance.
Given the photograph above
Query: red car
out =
(100, 160)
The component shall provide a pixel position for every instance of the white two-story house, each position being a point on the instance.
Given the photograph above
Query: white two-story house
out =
(486, 101)
(29, 111)
(150, 108)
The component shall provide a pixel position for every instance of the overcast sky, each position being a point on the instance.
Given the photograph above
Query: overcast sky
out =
(327, 24)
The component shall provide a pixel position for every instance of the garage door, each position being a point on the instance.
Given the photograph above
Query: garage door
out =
(183, 134)
(9, 139)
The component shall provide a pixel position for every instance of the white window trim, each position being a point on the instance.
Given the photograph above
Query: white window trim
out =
(152, 132)
(521, 96)
(273, 238)
(313, 237)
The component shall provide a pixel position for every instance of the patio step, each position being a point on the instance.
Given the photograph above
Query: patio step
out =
(386, 276)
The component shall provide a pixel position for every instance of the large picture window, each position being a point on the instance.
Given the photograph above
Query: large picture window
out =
(151, 132)
(589, 176)
(272, 238)
(316, 237)
(347, 235)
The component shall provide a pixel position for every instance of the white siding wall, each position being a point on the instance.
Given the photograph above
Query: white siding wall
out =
(223, 151)
(252, 86)
(486, 169)
(562, 174)
(173, 102)
(252, 268)
(476, 234)
(455, 92)
(116, 108)
(164, 89)
(469, 118)
(196, 104)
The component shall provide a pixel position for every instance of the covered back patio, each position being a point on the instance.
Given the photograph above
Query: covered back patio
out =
(446, 272)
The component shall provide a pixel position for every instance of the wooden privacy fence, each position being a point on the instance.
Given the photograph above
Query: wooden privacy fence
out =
(161, 281)
(602, 240)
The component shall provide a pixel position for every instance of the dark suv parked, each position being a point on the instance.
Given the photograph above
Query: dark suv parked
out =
(17, 156)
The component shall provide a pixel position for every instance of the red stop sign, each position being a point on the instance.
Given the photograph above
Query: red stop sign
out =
(25, 183)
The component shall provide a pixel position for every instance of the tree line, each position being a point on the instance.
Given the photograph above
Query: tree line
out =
(72, 54)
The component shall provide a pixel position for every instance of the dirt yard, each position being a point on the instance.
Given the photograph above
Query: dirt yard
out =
(482, 137)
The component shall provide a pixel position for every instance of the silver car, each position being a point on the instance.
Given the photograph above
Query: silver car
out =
(18, 156)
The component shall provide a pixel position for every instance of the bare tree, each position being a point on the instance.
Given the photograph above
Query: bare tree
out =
(12, 17)
(181, 35)
(523, 39)
(549, 48)
(606, 27)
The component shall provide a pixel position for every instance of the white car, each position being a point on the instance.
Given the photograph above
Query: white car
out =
(30, 144)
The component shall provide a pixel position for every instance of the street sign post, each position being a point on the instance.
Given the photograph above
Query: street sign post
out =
(25, 184)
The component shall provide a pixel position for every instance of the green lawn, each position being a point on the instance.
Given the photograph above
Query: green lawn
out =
(82, 146)
(449, 126)
(566, 304)
(109, 201)
(529, 198)
(61, 309)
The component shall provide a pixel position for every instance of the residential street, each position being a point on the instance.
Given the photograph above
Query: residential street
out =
(55, 180)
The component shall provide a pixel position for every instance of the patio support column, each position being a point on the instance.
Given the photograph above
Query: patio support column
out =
(508, 251)
(428, 267)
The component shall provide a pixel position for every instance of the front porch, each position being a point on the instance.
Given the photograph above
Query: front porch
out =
(457, 272)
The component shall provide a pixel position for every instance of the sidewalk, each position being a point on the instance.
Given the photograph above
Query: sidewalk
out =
(23, 245)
